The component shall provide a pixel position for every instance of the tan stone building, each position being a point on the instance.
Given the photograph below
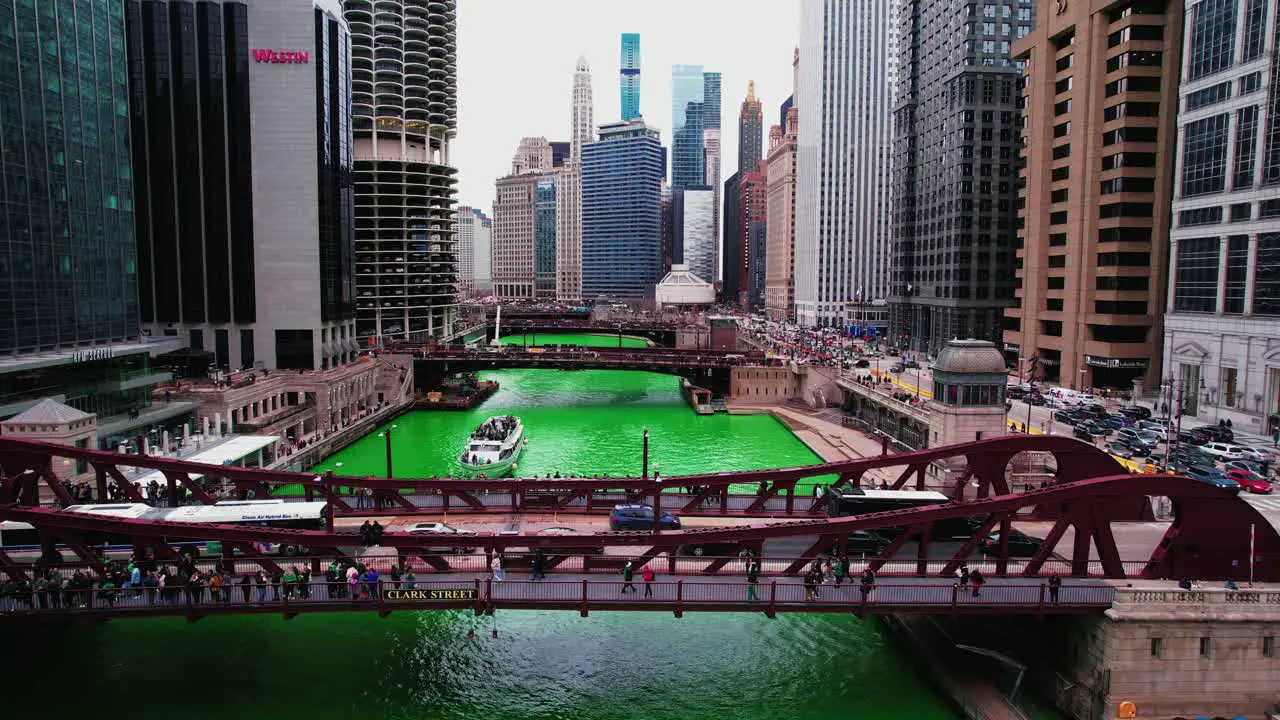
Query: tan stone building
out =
(296, 405)
(780, 260)
(1100, 87)
(513, 236)
(51, 421)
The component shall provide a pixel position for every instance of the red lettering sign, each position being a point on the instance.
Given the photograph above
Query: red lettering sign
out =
(281, 56)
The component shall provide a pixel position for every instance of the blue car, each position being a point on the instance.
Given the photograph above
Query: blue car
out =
(1214, 477)
(640, 517)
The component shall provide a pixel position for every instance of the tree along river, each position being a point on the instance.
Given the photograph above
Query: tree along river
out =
(609, 666)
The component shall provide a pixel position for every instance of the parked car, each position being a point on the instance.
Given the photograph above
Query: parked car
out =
(1115, 421)
(1035, 399)
(1015, 392)
(1064, 416)
(1253, 454)
(1246, 465)
(1222, 451)
(1215, 433)
(1139, 450)
(1250, 481)
(1055, 403)
(862, 363)
(1187, 437)
(1137, 412)
(1020, 544)
(640, 517)
(1094, 409)
(911, 365)
(1214, 477)
(1161, 432)
(1116, 447)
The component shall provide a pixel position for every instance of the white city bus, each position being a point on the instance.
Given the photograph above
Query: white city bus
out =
(275, 513)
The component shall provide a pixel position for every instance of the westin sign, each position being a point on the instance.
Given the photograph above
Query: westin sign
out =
(281, 56)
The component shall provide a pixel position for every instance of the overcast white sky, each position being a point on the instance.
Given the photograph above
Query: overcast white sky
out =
(516, 60)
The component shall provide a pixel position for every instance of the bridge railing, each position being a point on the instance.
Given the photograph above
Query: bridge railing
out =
(385, 595)
(519, 564)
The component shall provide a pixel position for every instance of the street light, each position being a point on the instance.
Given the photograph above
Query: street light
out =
(387, 435)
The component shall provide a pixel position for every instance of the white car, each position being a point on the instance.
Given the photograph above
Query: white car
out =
(1222, 451)
(436, 528)
(1055, 403)
(1254, 454)
(1161, 432)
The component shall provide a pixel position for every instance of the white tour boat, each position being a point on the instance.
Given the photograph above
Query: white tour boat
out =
(494, 447)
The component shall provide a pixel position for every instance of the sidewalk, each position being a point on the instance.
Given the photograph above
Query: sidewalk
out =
(831, 441)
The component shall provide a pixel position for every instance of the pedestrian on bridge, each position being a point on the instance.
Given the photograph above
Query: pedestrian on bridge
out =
(976, 581)
(842, 569)
(868, 583)
(628, 572)
(539, 561)
(646, 572)
(753, 577)
(1055, 583)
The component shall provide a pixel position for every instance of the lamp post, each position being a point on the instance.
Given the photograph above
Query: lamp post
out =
(387, 435)
(644, 470)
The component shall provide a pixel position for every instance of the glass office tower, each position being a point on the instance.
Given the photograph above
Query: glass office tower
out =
(68, 271)
(622, 211)
(688, 93)
(629, 76)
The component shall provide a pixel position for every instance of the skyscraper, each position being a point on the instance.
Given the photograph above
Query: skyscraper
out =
(544, 238)
(622, 211)
(1223, 321)
(472, 230)
(753, 208)
(583, 118)
(693, 213)
(780, 256)
(1100, 96)
(750, 131)
(68, 269)
(712, 153)
(955, 192)
(732, 261)
(629, 76)
(569, 188)
(687, 95)
(843, 160)
(245, 221)
(514, 236)
(404, 118)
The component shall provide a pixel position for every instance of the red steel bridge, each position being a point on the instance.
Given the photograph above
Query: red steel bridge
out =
(656, 359)
(1213, 534)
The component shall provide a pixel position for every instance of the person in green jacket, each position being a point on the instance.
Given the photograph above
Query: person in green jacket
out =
(842, 569)
(289, 580)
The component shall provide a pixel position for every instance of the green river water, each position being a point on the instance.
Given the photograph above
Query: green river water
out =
(609, 666)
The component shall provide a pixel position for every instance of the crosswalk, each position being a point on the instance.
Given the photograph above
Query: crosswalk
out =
(1266, 504)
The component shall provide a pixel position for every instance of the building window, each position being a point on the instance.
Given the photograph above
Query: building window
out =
(1130, 134)
(1206, 646)
(1196, 283)
(1053, 304)
(1246, 147)
(1062, 151)
(1269, 646)
(1213, 32)
(1255, 21)
(1157, 647)
(1266, 282)
(1061, 173)
(1237, 273)
(1200, 216)
(1208, 96)
(1228, 376)
(1271, 161)
(1269, 209)
(1058, 218)
(1204, 156)
(1125, 234)
(1062, 129)
(1128, 184)
(1129, 159)
(1251, 83)
(1126, 209)
(1058, 196)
